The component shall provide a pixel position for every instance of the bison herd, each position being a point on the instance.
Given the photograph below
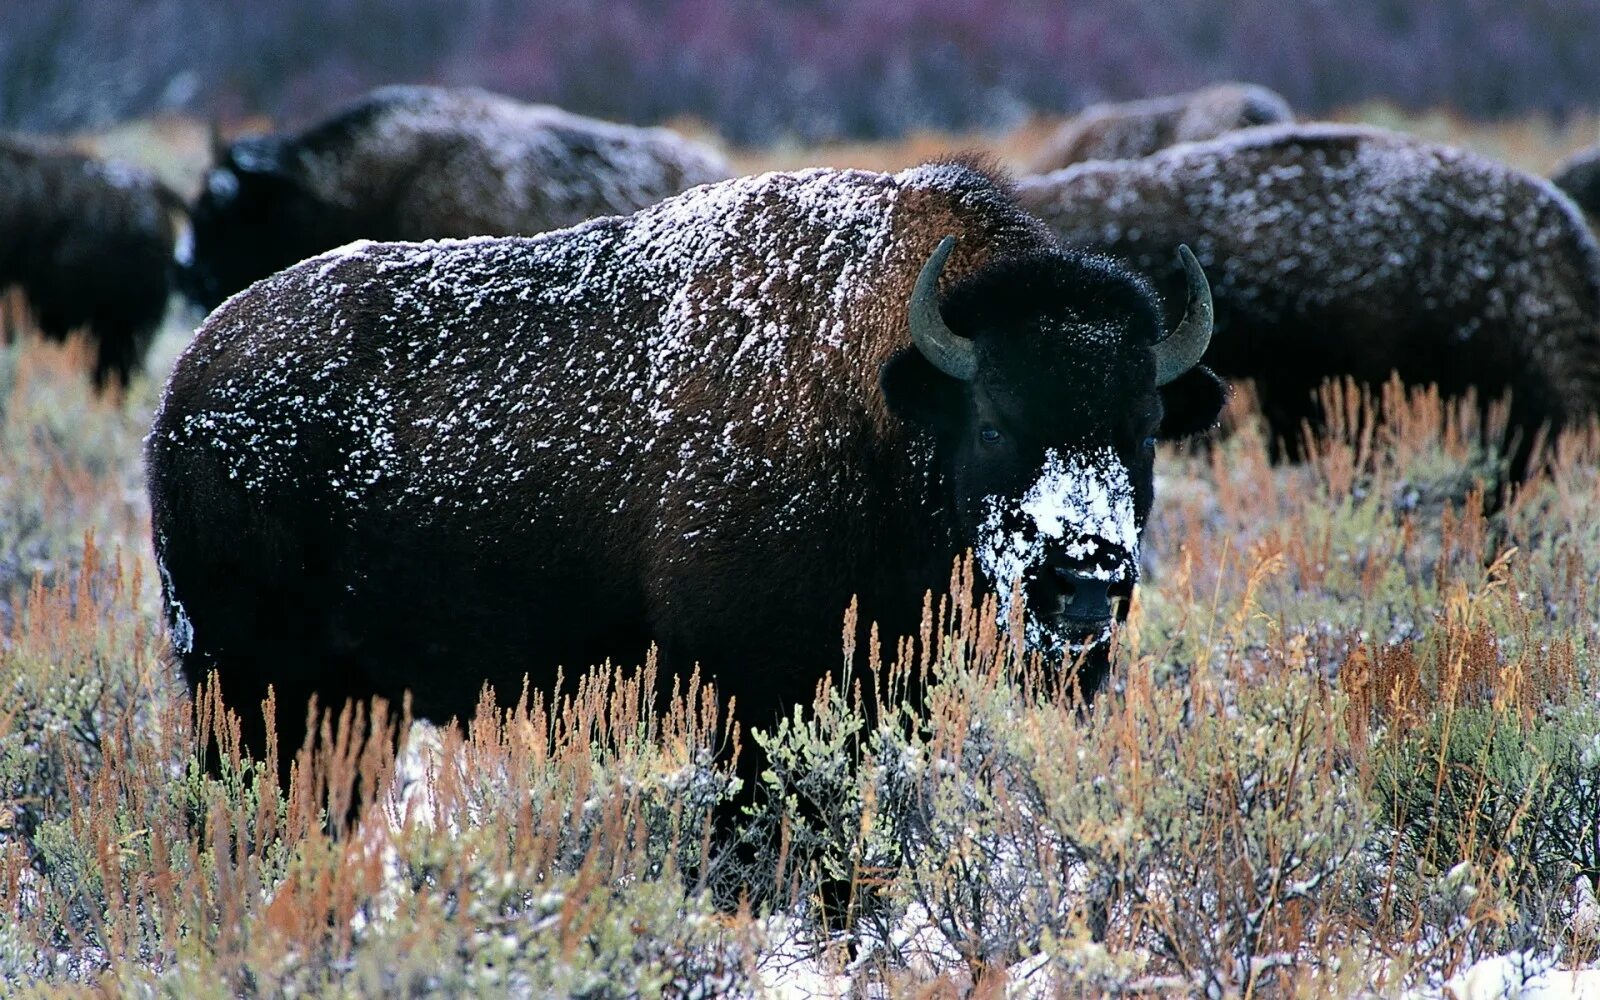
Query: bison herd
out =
(713, 410)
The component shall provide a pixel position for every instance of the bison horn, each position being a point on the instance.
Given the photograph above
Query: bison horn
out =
(946, 350)
(1183, 348)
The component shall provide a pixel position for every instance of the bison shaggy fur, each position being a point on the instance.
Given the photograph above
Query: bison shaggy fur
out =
(90, 244)
(416, 163)
(1346, 251)
(403, 467)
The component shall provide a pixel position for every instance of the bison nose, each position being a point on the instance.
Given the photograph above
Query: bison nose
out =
(1088, 597)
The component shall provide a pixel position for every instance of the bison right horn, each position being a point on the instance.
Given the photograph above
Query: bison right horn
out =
(1183, 348)
(946, 350)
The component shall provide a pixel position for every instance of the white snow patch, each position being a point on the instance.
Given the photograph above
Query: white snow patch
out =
(1080, 507)
(183, 249)
(1521, 976)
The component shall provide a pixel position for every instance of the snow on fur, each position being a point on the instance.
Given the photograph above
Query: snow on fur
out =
(631, 387)
(1347, 250)
(496, 159)
(1385, 196)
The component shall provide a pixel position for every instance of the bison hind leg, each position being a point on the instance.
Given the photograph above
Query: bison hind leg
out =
(292, 675)
(249, 598)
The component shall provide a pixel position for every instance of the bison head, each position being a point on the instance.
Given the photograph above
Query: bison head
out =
(254, 217)
(1046, 381)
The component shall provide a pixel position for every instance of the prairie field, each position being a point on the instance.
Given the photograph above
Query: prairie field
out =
(1351, 745)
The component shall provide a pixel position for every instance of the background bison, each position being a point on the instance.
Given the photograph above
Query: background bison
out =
(1139, 128)
(1579, 176)
(1340, 250)
(90, 244)
(421, 468)
(414, 163)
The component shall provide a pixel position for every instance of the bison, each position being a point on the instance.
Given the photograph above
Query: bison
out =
(415, 163)
(1349, 251)
(421, 467)
(1140, 128)
(89, 242)
(1579, 176)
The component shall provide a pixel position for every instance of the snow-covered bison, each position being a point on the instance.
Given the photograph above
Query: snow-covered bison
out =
(1348, 251)
(422, 467)
(1139, 128)
(90, 244)
(416, 163)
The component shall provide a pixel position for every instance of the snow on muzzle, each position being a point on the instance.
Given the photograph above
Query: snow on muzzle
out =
(1073, 542)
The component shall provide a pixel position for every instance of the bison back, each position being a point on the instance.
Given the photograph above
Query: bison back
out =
(1340, 251)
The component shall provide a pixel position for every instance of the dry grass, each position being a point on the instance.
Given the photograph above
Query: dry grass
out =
(1350, 743)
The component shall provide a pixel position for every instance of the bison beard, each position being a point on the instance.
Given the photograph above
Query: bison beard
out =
(708, 425)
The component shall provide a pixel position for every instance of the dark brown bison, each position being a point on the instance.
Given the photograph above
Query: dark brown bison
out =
(417, 163)
(1579, 176)
(404, 467)
(1139, 128)
(1346, 251)
(90, 244)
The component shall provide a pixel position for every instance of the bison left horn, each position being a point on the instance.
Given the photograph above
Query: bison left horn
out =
(946, 350)
(1183, 348)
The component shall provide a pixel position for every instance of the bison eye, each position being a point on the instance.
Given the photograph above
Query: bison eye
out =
(989, 435)
(1148, 445)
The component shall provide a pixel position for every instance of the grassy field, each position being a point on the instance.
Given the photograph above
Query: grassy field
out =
(1353, 743)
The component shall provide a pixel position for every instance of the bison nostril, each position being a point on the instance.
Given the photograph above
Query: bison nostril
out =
(1087, 596)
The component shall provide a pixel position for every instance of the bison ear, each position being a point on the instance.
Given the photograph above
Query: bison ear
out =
(919, 393)
(1191, 403)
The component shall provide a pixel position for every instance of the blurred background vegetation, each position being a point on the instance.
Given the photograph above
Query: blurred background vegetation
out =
(759, 73)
